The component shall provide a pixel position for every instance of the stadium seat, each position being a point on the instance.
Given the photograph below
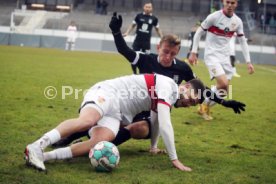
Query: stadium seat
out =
(64, 2)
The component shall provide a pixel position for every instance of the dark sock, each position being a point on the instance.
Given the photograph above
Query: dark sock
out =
(122, 136)
(67, 140)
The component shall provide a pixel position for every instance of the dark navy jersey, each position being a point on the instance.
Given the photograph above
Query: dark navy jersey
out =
(178, 71)
(148, 63)
(144, 24)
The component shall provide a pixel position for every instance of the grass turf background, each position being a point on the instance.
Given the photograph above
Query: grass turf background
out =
(230, 149)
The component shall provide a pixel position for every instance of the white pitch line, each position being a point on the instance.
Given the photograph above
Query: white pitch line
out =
(267, 69)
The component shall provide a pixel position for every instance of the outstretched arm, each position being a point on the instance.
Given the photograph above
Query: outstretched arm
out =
(167, 134)
(196, 39)
(246, 55)
(115, 26)
(235, 105)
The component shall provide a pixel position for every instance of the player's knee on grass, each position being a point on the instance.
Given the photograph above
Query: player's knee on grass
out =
(99, 133)
(139, 130)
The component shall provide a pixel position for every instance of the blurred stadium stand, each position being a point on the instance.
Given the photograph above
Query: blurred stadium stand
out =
(177, 16)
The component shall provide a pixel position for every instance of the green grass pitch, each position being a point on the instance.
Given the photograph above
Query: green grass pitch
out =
(230, 149)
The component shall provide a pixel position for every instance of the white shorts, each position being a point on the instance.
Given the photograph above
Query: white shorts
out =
(71, 39)
(107, 122)
(100, 98)
(217, 68)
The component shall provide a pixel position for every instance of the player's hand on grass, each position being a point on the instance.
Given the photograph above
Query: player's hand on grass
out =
(235, 105)
(250, 68)
(193, 59)
(180, 166)
(157, 151)
(116, 23)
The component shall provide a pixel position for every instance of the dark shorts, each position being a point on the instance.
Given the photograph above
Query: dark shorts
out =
(141, 46)
(145, 115)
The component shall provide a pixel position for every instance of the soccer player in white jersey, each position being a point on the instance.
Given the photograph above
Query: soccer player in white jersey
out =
(109, 104)
(71, 34)
(220, 27)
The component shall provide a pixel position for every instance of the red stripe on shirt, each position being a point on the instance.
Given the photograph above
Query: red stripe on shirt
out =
(150, 81)
(215, 30)
(165, 103)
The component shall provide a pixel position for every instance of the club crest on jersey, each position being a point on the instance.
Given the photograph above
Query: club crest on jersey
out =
(226, 30)
(214, 71)
(150, 21)
(176, 78)
(101, 100)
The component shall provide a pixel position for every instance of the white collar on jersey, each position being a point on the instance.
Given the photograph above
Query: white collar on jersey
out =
(158, 59)
(145, 14)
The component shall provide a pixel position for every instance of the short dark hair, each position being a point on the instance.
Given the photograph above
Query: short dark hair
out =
(198, 88)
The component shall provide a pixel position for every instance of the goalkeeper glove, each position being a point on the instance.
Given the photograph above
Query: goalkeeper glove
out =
(235, 105)
(116, 23)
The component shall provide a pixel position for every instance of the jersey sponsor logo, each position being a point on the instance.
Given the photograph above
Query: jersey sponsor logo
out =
(144, 28)
(176, 78)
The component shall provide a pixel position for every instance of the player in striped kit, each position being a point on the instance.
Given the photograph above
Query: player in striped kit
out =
(108, 103)
(220, 27)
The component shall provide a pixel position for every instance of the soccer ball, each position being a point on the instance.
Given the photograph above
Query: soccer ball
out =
(104, 156)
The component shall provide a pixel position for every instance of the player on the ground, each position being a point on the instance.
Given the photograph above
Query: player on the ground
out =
(220, 27)
(111, 102)
(144, 22)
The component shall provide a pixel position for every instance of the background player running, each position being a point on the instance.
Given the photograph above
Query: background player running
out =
(220, 27)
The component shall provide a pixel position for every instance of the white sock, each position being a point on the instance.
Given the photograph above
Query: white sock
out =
(49, 138)
(58, 154)
(234, 70)
(72, 46)
(214, 90)
(66, 46)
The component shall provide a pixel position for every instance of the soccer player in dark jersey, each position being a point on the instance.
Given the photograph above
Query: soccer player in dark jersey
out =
(165, 63)
(144, 22)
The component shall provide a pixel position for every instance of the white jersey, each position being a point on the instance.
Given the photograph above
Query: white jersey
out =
(220, 28)
(133, 94)
(122, 98)
(71, 33)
